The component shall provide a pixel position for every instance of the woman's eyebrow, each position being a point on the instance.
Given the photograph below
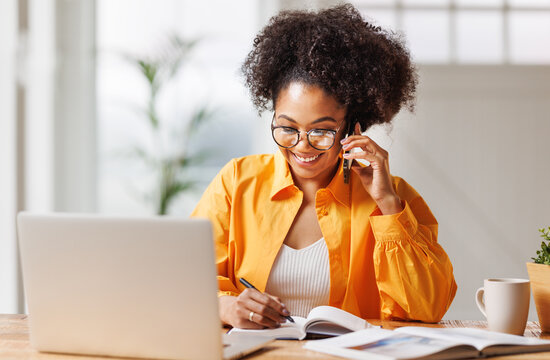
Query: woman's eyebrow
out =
(324, 118)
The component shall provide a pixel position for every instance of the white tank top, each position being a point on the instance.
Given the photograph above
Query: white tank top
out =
(301, 278)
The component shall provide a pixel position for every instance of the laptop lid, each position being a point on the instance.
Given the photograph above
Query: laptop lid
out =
(120, 286)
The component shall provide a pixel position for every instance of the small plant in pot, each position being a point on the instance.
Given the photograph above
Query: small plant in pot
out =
(539, 275)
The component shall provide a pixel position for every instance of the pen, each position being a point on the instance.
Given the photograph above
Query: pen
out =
(250, 286)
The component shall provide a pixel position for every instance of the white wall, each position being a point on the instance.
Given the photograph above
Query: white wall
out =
(477, 150)
(8, 37)
(40, 130)
(75, 145)
(47, 119)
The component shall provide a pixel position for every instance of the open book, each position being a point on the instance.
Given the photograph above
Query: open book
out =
(412, 342)
(324, 320)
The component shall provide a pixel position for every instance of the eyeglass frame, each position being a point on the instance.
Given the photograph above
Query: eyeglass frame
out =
(299, 133)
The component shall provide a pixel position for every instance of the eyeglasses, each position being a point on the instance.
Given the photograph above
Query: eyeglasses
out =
(287, 137)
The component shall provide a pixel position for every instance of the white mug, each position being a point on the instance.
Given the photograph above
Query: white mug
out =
(505, 304)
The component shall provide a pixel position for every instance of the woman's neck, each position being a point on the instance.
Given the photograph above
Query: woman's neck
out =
(310, 186)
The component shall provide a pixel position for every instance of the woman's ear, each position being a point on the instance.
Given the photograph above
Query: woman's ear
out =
(357, 130)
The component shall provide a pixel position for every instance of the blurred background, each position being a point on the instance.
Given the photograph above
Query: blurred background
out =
(132, 106)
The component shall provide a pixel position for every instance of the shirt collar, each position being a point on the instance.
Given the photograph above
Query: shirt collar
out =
(282, 180)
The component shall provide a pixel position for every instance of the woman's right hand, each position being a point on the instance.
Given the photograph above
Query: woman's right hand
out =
(252, 310)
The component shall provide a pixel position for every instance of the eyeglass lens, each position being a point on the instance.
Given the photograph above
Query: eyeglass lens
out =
(319, 139)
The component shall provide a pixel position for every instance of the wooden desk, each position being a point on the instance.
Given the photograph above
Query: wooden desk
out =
(14, 342)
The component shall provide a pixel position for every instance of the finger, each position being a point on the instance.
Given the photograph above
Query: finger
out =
(244, 323)
(276, 298)
(246, 304)
(254, 300)
(259, 315)
(278, 305)
(368, 149)
(276, 310)
(362, 155)
(271, 301)
(266, 306)
(375, 162)
(362, 142)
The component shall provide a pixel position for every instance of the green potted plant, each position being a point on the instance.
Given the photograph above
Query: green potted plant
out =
(171, 162)
(539, 275)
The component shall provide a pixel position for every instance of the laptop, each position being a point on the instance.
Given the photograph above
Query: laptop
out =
(124, 286)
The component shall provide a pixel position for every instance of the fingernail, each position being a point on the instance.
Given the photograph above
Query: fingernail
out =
(346, 155)
(343, 141)
(285, 311)
(346, 146)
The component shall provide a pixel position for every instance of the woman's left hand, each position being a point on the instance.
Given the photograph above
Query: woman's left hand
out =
(375, 177)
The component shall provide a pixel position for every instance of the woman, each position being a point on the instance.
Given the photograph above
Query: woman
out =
(293, 223)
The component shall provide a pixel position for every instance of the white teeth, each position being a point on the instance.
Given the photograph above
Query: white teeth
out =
(307, 159)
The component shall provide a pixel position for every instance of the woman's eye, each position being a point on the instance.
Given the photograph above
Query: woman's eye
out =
(318, 132)
(288, 131)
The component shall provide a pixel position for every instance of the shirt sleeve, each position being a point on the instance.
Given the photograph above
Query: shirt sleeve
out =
(215, 205)
(414, 275)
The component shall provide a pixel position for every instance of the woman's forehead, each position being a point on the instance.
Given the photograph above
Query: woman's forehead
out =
(323, 119)
(307, 103)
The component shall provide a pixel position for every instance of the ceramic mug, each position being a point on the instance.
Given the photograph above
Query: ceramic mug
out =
(505, 304)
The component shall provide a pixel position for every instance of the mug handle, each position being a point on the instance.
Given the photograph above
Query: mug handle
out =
(480, 301)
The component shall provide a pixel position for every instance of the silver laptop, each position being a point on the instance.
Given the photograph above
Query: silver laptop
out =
(128, 287)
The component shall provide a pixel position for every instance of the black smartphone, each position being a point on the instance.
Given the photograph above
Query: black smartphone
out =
(347, 163)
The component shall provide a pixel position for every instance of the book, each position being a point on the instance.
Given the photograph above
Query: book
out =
(322, 320)
(413, 342)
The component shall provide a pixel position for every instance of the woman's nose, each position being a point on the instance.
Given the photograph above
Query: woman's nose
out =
(303, 143)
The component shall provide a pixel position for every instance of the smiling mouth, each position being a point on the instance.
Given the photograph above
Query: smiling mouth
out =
(307, 159)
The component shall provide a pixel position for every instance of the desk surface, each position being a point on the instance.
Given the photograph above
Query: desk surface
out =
(14, 342)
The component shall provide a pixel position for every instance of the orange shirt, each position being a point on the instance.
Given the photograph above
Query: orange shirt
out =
(381, 266)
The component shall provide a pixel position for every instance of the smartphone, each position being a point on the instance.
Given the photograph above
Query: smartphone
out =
(347, 163)
(347, 166)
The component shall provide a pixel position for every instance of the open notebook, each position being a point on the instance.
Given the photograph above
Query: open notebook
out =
(323, 320)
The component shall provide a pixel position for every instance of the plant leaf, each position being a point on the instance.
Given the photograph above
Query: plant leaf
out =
(200, 116)
(170, 193)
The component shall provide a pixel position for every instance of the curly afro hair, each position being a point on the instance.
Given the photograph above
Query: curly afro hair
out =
(364, 67)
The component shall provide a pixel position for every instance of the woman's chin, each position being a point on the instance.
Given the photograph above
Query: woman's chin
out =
(317, 171)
